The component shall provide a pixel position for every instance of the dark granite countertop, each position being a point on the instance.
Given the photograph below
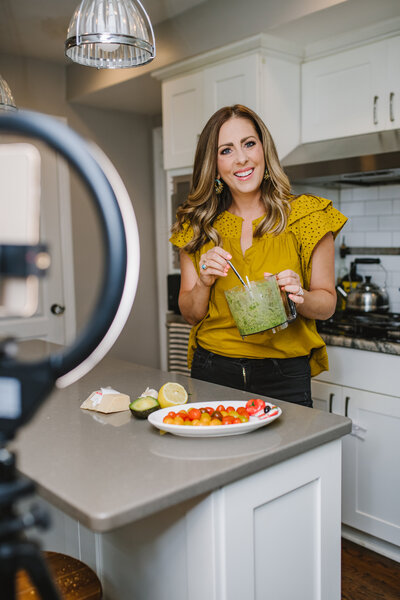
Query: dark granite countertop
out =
(382, 346)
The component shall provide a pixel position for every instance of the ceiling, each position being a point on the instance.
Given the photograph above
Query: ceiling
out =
(183, 28)
(38, 28)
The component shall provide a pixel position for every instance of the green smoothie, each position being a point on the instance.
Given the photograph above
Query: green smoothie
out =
(258, 307)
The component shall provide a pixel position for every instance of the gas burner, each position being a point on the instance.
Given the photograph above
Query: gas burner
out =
(369, 326)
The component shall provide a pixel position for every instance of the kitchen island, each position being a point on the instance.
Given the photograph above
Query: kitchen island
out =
(162, 517)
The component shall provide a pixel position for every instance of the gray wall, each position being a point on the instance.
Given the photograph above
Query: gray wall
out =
(126, 139)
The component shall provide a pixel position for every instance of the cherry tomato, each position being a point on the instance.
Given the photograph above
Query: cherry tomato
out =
(244, 418)
(229, 409)
(254, 405)
(217, 415)
(171, 414)
(205, 418)
(209, 409)
(242, 411)
(215, 422)
(182, 414)
(227, 420)
(169, 420)
(194, 413)
(237, 420)
(220, 407)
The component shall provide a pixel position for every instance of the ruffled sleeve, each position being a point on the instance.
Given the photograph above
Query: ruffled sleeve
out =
(310, 219)
(182, 237)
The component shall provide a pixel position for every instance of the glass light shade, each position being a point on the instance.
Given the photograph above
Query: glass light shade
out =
(6, 97)
(110, 34)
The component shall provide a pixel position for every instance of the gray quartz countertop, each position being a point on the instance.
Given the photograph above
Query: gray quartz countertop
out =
(110, 470)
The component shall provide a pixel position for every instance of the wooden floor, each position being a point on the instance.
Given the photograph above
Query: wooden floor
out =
(367, 575)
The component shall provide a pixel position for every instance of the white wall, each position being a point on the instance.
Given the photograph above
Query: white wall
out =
(126, 139)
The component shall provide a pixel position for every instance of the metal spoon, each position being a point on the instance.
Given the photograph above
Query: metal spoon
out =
(237, 274)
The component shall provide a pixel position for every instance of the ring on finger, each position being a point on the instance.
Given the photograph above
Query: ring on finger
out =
(300, 291)
(204, 266)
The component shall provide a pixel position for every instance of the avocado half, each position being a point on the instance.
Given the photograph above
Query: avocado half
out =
(142, 407)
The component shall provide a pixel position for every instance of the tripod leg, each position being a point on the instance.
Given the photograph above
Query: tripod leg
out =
(31, 560)
(7, 576)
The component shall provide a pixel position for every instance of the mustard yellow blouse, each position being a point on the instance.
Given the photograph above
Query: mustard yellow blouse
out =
(309, 220)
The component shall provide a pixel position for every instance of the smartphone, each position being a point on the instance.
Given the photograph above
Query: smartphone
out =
(20, 190)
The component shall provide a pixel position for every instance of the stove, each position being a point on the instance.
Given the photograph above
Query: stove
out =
(368, 326)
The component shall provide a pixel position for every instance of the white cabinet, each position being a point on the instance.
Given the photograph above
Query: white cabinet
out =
(393, 90)
(182, 101)
(352, 92)
(371, 477)
(259, 73)
(189, 100)
(236, 81)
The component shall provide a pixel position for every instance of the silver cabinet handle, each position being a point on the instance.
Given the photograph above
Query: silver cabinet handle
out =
(331, 401)
(391, 111)
(346, 406)
(375, 111)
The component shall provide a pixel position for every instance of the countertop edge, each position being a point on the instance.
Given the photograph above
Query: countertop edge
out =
(102, 524)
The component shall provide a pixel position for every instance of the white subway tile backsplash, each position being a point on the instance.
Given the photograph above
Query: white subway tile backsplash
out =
(365, 193)
(396, 239)
(351, 209)
(378, 207)
(355, 239)
(394, 279)
(346, 195)
(389, 191)
(379, 238)
(374, 222)
(395, 306)
(365, 223)
(396, 206)
(390, 223)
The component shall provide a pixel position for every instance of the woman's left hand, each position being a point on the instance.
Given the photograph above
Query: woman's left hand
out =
(290, 282)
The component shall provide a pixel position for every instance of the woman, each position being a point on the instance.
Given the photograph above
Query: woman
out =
(240, 209)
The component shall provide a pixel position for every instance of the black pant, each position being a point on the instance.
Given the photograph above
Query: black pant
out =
(280, 378)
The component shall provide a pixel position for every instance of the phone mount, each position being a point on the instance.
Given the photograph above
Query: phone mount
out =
(25, 385)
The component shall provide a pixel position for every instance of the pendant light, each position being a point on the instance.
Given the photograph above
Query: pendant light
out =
(6, 97)
(110, 34)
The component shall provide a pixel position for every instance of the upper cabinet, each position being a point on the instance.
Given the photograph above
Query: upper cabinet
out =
(352, 92)
(260, 73)
(182, 102)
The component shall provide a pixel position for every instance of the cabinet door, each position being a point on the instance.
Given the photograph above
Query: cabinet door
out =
(344, 94)
(182, 101)
(371, 480)
(393, 83)
(233, 82)
(326, 396)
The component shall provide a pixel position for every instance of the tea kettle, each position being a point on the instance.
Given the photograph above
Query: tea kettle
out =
(368, 297)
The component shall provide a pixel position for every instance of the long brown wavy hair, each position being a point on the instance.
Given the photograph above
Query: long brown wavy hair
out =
(203, 205)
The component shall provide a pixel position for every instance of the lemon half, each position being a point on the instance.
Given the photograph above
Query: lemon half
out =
(172, 394)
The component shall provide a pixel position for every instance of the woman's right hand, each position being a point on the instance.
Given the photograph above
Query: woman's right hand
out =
(213, 264)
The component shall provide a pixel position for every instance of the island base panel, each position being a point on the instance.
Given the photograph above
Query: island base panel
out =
(274, 534)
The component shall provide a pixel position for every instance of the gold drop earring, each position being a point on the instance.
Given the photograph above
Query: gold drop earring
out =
(218, 186)
(266, 175)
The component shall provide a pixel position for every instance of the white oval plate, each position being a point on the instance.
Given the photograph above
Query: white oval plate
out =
(156, 419)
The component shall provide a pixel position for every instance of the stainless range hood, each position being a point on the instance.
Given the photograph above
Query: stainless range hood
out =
(369, 159)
